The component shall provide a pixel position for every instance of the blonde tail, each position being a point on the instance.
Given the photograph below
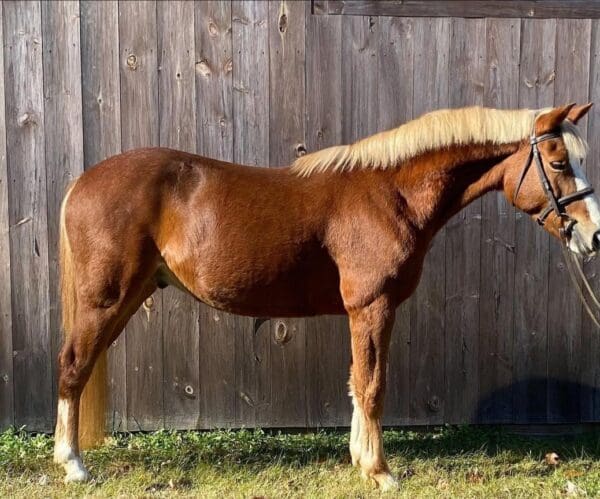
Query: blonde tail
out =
(92, 407)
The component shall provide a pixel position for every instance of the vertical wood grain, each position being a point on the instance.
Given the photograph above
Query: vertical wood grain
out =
(327, 375)
(463, 238)
(427, 369)
(530, 303)
(395, 106)
(101, 139)
(140, 128)
(214, 122)
(63, 134)
(23, 80)
(177, 122)
(7, 380)
(251, 147)
(498, 239)
(286, 138)
(573, 38)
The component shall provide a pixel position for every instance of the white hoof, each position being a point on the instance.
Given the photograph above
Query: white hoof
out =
(77, 474)
(386, 482)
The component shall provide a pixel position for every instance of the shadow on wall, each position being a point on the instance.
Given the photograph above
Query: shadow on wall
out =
(540, 400)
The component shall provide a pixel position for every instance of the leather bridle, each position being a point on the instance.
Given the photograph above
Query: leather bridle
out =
(555, 204)
(558, 205)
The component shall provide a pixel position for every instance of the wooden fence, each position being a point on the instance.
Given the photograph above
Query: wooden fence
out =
(494, 332)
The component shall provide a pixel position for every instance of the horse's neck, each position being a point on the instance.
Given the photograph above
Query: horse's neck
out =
(441, 183)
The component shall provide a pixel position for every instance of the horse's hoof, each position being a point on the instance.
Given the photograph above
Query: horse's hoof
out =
(77, 476)
(76, 472)
(386, 482)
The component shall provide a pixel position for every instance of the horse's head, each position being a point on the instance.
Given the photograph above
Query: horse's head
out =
(547, 180)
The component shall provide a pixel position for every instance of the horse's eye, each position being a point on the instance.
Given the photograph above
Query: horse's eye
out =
(558, 165)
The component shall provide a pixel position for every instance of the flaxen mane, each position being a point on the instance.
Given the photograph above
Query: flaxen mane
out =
(435, 130)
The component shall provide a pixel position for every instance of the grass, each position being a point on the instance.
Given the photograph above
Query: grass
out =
(448, 462)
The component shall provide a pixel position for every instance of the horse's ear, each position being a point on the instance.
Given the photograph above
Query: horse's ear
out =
(578, 112)
(550, 121)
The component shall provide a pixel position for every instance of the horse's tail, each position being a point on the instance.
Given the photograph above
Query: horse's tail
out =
(92, 407)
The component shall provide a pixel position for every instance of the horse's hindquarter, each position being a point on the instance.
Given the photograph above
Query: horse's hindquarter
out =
(249, 240)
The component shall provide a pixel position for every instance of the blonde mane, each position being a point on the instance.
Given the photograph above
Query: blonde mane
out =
(435, 130)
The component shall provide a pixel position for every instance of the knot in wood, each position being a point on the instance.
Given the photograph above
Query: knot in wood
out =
(149, 303)
(189, 390)
(132, 62)
(434, 404)
(203, 68)
(212, 28)
(282, 334)
(228, 66)
(283, 23)
(25, 119)
(300, 150)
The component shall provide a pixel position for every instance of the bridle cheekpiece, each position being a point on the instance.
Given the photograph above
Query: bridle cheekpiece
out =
(555, 204)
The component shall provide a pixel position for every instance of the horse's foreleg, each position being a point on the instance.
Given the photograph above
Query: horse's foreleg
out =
(370, 328)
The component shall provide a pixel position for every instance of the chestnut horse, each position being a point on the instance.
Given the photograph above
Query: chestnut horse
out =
(344, 230)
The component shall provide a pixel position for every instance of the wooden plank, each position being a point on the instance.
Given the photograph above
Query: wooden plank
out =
(427, 371)
(498, 239)
(214, 121)
(6, 350)
(64, 136)
(395, 106)
(530, 303)
(590, 336)
(23, 82)
(101, 139)
(286, 138)
(463, 238)
(176, 95)
(328, 403)
(564, 307)
(466, 8)
(251, 146)
(140, 128)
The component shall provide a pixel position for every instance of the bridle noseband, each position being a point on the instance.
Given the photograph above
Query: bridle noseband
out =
(556, 205)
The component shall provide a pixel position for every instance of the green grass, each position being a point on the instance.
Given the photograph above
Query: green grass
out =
(449, 462)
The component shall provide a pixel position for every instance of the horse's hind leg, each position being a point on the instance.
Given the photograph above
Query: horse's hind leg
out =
(94, 327)
(85, 342)
(371, 329)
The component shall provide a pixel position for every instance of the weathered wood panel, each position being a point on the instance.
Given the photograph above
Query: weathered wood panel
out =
(101, 139)
(23, 80)
(140, 128)
(427, 367)
(482, 339)
(564, 308)
(530, 341)
(468, 8)
(251, 147)
(214, 122)
(498, 239)
(286, 140)
(177, 117)
(326, 391)
(7, 381)
(395, 106)
(463, 238)
(64, 136)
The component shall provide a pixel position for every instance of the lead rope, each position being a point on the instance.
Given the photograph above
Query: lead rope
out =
(570, 261)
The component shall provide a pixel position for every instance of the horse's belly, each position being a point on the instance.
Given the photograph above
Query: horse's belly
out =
(304, 284)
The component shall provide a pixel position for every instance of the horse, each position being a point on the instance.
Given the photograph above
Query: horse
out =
(344, 230)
